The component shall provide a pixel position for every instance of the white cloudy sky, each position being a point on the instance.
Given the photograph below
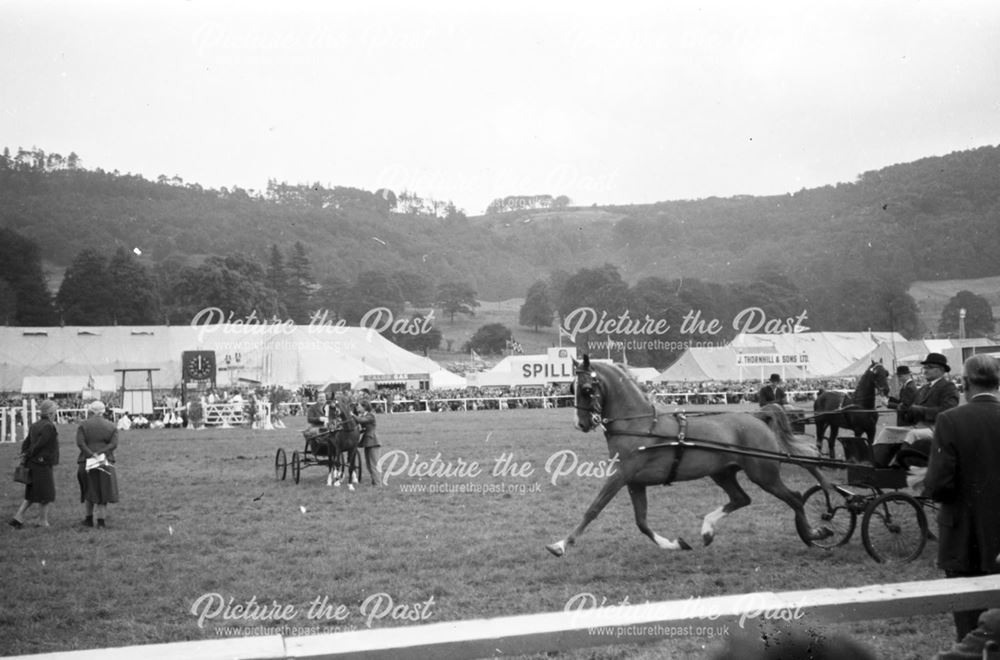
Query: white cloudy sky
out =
(612, 103)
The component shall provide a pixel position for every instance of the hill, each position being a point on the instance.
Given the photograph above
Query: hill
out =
(933, 219)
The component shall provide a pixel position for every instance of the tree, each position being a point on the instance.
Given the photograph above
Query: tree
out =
(420, 338)
(601, 289)
(234, 284)
(373, 290)
(85, 296)
(456, 298)
(300, 285)
(537, 309)
(277, 277)
(979, 321)
(132, 291)
(489, 339)
(21, 269)
(8, 303)
(416, 288)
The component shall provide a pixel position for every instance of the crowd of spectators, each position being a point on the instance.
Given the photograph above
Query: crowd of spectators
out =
(170, 413)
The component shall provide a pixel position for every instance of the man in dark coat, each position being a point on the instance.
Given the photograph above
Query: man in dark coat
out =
(772, 392)
(907, 394)
(962, 476)
(938, 393)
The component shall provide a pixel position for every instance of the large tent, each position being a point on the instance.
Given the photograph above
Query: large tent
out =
(273, 355)
(911, 353)
(793, 355)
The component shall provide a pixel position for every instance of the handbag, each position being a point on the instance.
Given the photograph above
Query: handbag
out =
(22, 474)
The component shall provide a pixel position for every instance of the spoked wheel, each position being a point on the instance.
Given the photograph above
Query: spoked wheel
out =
(296, 465)
(280, 465)
(894, 528)
(824, 511)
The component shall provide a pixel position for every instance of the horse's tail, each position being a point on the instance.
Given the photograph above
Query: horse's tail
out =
(777, 420)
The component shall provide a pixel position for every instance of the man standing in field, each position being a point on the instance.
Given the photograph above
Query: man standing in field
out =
(962, 476)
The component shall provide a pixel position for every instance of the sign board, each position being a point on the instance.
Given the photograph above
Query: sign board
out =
(771, 359)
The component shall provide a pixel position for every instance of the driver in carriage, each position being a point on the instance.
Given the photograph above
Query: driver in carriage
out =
(772, 392)
(909, 442)
(317, 413)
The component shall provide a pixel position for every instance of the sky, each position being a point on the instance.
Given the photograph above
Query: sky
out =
(610, 103)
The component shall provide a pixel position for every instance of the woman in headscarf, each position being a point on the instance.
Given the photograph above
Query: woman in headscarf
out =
(39, 452)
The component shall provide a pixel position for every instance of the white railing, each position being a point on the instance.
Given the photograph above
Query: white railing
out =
(561, 631)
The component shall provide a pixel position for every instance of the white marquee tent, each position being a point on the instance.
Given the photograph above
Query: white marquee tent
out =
(793, 355)
(277, 355)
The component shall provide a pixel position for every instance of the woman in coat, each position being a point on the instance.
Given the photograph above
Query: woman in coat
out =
(40, 452)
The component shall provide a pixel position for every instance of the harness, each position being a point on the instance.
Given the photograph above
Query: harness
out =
(678, 442)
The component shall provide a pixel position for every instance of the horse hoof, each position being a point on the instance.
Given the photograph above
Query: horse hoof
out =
(707, 539)
(557, 549)
(822, 533)
(350, 487)
(684, 546)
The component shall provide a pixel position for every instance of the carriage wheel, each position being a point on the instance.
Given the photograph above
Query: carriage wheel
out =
(894, 528)
(280, 465)
(296, 465)
(831, 513)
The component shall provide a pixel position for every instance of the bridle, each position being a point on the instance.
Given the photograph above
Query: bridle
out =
(592, 389)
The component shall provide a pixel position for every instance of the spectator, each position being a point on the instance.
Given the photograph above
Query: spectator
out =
(962, 476)
(40, 451)
(97, 439)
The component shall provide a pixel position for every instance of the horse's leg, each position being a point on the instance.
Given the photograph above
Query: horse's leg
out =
(330, 449)
(638, 495)
(820, 430)
(612, 485)
(834, 431)
(766, 474)
(737, 500)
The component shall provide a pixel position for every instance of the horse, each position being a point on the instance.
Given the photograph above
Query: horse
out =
(344, 439)
(855, 411)
(655, 447)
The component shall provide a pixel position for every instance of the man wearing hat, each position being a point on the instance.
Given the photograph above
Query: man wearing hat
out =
(97, 437)
(962, 476)
(906, 396)
(772, 393)
(937, 395)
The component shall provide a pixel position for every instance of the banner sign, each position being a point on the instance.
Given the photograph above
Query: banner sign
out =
(771, 359)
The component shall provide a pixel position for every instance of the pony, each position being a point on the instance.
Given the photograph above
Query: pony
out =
(655, 447)
(836, 410)
(341, 441)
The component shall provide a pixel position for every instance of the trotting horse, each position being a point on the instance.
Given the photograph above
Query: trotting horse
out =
(643, 436)
(342, 441)
(855, 411)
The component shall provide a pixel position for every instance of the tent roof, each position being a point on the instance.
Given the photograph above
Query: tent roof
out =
(269, 354)
(64, 384)
(825, 354)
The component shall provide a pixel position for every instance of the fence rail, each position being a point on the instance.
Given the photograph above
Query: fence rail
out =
(561, 631)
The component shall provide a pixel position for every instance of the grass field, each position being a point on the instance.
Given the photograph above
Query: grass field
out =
(202, 514)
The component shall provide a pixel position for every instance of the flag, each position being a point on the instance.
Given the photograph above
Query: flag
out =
(565, 333)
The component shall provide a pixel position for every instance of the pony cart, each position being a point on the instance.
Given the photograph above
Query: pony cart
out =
(654, 446)
(893, 522)
(334, 447)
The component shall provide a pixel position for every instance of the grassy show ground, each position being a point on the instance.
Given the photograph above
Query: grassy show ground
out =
(202, 513)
